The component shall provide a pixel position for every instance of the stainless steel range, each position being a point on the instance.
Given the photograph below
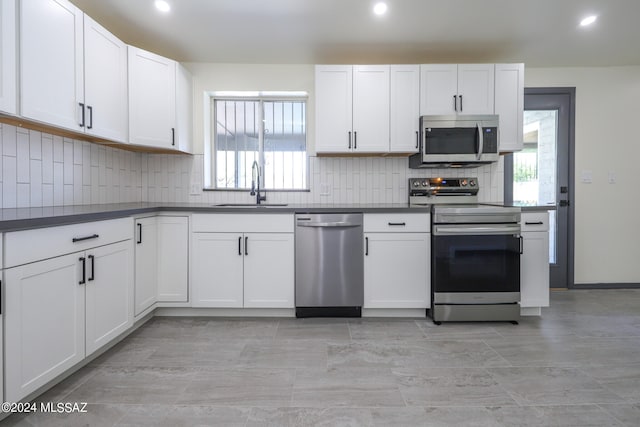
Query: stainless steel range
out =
(475, 252)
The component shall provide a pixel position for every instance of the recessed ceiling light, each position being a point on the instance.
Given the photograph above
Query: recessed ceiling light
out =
(162, 6)
(588, 20)
(380, 8)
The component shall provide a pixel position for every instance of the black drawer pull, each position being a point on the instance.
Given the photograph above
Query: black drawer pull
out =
(80, 239)
(400, 224)
(534, 223)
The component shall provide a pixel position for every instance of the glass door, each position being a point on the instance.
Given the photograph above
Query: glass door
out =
(539, 175)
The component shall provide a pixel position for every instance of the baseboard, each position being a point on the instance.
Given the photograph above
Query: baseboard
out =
(606, 286)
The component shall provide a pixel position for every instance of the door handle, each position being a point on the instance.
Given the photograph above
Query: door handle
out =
(355, 140)
(81, 114)
(349, 140)
(460, 102)
(417, 139)
(240, 245)
(521, 244)
(93, 267)
(366, 246)
(455, 103)
(173, 136)
(139, 233)
(90, 108)
(246, 246)
(84, 270)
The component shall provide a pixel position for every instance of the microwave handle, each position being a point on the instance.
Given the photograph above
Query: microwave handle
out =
(480, 142)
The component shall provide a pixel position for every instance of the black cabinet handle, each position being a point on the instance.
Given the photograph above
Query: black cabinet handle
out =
(173, 136)
(349, 140)
(80, 239)
(246, 246)
(93, 268)
(534, 223)
(90, 117)
(84, 270)
(240, 245)
(455, 103)
(399, 224)
(460, 103)
(82, 115)
(139, 233)
(521, 244)
(355, 140)
(417, 139)
(366, 246)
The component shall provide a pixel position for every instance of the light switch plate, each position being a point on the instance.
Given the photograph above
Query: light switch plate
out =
(195, 190)
(587, 177)
(325, 189)
(612, 177)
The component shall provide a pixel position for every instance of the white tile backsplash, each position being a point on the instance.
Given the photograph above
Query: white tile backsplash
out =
(38, 169)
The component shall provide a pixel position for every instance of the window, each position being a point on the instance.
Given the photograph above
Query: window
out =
(268, 130)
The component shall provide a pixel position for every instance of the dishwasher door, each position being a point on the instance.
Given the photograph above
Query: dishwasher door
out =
(329, 264)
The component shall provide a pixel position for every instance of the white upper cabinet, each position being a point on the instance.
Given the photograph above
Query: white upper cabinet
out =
(509, 105)
(404, 108)
(334, 95)
(52, 75)
(352, 108)
(370, 108)
(73, 71)
(105, 84)
(184, 109)
(152, 99)
(456, 89)
(8, 63)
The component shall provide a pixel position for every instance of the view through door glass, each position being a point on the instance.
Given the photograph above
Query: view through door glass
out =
(539, 174)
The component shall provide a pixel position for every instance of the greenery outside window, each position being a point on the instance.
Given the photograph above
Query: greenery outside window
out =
(268, 129)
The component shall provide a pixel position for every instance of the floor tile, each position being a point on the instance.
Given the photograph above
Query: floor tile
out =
(284, 354)
(626, 414)
(383, 329)
(552, 386)
(314, 329)
(183, 416)
(293, 417)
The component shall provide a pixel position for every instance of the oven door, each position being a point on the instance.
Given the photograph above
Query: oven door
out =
(460, 144)
(476, 263)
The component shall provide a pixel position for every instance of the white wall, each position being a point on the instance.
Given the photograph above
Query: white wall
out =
(607, 234)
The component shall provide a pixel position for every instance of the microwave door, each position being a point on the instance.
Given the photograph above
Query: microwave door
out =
(451, 144)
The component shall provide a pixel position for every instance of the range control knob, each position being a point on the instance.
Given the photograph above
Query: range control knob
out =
(472, 183)
(463, 182)
(416, 183)
(425, 183)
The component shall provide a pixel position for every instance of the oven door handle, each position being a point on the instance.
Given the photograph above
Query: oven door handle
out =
(447, 230)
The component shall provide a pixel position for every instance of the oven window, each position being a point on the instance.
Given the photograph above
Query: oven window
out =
(476, 264)
(451, 141)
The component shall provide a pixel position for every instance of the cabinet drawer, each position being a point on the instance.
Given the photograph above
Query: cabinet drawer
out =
(535, 221)
(242, 223)
(27, 246)
(397, 223)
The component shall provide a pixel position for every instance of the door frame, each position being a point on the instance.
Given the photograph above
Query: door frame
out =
(508, 166)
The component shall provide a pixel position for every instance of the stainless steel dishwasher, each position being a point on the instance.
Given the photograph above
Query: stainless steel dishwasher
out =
(329, 265)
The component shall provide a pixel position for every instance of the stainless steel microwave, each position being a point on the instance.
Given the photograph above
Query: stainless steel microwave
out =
(456, 141)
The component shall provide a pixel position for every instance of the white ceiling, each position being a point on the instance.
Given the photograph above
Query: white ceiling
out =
(537, 32)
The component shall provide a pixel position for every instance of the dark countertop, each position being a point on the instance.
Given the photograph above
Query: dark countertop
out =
(27, 218)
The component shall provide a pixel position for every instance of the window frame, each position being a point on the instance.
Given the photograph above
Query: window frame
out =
(261, 98)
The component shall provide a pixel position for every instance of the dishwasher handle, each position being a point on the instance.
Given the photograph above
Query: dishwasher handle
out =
(343, 224)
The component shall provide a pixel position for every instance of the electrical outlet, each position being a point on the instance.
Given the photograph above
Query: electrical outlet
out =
(587, 177)
(325, 189)
(195, 190)
(612, 177)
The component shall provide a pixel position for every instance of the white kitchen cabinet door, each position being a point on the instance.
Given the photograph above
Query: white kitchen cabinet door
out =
(51, 58)
(184, 109)
(109, 299)
(269, 270)
(397, 270)
(8, 61)
(404, 109)
(152, 99)
(334, 96)
(534, 269)
(509, 105)
(173, 258)
(146, 264)
(217, 270)
(370, 108)
(44, 323)
(105, 94)
(438, 86)
(476, 88)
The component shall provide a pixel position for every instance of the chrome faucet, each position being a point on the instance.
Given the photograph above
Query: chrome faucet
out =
(255, 177)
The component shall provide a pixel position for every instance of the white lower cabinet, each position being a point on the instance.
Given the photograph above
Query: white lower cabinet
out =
(397, 261)
(61, 309)
(146, 253)
(173, 258)
(237, 265)
(534, 262)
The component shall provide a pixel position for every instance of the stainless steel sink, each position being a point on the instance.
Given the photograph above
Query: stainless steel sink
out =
(250, 205)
